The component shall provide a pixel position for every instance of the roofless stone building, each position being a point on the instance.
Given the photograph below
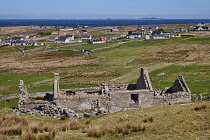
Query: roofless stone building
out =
(123, 96)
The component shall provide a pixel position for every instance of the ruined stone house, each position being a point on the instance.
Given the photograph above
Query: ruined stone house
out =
(124, 96)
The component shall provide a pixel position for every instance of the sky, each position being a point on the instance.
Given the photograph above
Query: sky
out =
(91, 9)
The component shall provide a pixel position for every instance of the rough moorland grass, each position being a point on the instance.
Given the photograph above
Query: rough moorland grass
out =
(160, 122)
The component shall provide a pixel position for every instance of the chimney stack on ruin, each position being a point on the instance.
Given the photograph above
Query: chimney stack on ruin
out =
(144, 80)
(56, 86)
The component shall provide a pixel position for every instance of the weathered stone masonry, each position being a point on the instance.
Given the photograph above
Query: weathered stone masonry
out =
(109, 96)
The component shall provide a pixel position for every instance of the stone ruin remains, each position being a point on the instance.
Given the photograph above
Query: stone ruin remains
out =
(106, 98)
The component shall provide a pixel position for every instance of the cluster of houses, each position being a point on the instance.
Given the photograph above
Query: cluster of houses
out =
(154, 33)
(200, 27)
(23, 40)
(61, 36)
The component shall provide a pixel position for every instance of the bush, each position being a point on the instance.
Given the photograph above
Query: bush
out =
(200, 107)
(38, 127)
(73, 125)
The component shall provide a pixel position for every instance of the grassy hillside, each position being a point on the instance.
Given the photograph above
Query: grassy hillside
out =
(112, 63)
(189, 121)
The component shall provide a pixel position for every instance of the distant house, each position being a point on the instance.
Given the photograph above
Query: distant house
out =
(18, 43)
(83, 31)
(147, 37)
(184, 30)
(86, 37)
(175, 30)
(96, 41)
(66, 28)
(132, 32)
(159, 36)
(156, 32)
(114, 29)
(62, 40)
(32, 36)
(201, 24)
(25, 36)
(78, 40)
(140, 28)
(52, 38)
(17, 38)
(154, 27)
(7, 41)
(201, 28)
(30, 43)
(174, 35)
(71, 37)
(100, 40)
(34, 27)
(61, 33)
(134, 35)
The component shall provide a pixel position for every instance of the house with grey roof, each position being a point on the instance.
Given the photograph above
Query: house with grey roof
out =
(71, 37)
(201, 28)
(86, 37)
(175, 30)
(170, 35)
(156, 32)
(30, 43)
(159, 36)
(52, 38)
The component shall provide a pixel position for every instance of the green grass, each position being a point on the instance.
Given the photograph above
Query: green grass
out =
(12, 80)
(199, 39)
(30, 47)
(89, 46)
(9, 104)
(191, 74)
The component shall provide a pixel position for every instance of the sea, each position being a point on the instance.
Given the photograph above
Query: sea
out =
(96, 22)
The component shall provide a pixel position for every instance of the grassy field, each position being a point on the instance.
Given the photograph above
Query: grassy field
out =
(118, 64)
(173, 122)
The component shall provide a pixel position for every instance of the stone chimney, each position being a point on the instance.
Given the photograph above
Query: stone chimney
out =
(144, 80)
(56, 89)
(23, 94)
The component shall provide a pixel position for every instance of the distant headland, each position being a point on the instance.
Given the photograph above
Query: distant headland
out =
(145, 18)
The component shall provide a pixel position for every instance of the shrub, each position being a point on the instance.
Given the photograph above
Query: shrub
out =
(38, 127)
(148, 119)
(29, 136)
(12, 120)
(13, 130)
(63, 117)
(200, 107)
(73, 125)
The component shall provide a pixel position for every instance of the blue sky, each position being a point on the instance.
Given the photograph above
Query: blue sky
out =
(81, 9)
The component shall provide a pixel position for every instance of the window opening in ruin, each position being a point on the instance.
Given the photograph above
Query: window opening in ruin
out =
(135, 98)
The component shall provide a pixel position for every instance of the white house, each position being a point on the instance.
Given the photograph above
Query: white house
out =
(71, 37)
(86, 37)
(159, 36)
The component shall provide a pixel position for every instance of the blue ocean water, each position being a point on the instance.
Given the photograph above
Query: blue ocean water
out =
(95, 23)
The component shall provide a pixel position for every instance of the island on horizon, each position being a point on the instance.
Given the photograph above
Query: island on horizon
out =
(145, 18)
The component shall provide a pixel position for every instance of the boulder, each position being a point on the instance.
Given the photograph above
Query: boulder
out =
(114, 109)
(102, 110)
